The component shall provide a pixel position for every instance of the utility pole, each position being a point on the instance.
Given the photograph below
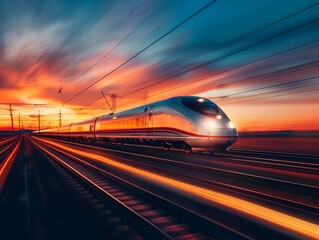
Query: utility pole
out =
(10, 109)
(20, 104)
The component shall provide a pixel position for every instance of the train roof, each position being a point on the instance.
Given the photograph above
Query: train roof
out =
(168, 102)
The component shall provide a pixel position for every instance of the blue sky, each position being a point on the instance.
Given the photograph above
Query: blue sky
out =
(232, 51)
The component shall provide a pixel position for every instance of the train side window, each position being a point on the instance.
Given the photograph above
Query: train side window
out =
(145, 110)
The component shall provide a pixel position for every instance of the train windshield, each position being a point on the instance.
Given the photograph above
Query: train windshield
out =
(201, 105)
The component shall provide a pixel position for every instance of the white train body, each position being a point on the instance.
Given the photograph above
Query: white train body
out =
(192, 123)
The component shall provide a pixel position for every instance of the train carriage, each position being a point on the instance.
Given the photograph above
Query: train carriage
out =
(83, 130)
(191, 123)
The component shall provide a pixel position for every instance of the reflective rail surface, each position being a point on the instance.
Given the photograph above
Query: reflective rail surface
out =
(8, 151)
(132, 192)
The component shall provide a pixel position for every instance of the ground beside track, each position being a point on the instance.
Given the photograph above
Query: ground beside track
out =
(306, 145)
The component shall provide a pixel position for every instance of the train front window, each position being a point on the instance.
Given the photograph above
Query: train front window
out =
(201, 105)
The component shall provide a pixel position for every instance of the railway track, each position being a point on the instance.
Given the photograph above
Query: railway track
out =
(296, 159)
(245, 155)
(161, 216)
(8, 150)
(264, 166)
(289, 201)
(183, 171)
(126, 192)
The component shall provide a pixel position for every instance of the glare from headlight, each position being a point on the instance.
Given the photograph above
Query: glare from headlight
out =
(231, 125)
(212, 125)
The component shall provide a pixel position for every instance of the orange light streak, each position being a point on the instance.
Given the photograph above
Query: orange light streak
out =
(278, 218)
(5, 166)
(7, 140)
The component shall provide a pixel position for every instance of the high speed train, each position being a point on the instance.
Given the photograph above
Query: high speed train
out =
(187, 122)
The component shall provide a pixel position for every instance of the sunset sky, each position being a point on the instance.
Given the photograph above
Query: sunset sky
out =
(258, 60)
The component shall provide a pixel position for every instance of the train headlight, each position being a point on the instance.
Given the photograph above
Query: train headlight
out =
(231, 125)
(201, 100)
(219, 117)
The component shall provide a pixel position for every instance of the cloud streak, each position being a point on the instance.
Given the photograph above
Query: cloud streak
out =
(233, 57)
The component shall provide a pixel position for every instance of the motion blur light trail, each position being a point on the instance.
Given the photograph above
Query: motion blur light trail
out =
(283, 220)
(5, 166)
(7, 140)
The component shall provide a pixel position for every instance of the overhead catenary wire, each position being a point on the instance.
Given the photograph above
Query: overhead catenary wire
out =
(234, 68)
(114, 47)
(280, 95)
(277, 73)
(222, 57)
(246, 35)
(141, 51)
(105, 55)
(267, 87)
(252, 78)
(269, 92)
(94, 101)
(255, 77)
(274, 91)
(288, 52)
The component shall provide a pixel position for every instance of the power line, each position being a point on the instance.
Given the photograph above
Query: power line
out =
(239, 38)
(280, 90)
(310, 90)
(94, 109)
(277, 73)
(234, 68)
(270, 92)
(91, 103)
(227, 43)
(272, 86)
(118, 44)
(96, 100)
(108, 53)
(236, 51)
(141, 51)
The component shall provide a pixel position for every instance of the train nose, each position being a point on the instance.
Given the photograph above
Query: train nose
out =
(218, 136)
(232, 132)
(232, 135)
(222, 136)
